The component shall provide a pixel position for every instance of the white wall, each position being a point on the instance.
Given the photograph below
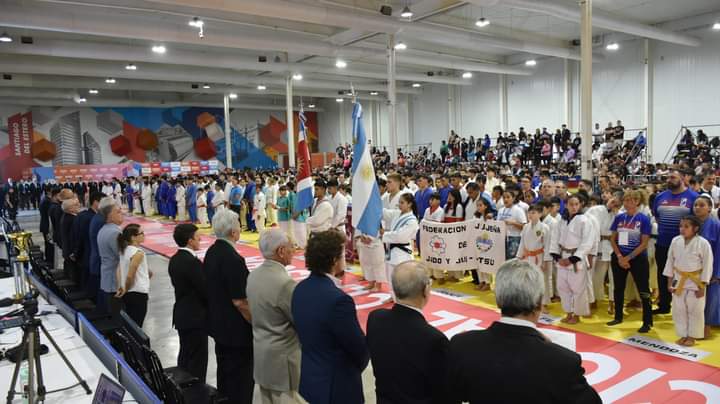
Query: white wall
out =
(430, 115)
(479, 106)
(537, 101)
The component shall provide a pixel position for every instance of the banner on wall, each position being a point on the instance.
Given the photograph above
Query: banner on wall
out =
(175, 168)
(473, 244)
(18, 155)
(90, 172)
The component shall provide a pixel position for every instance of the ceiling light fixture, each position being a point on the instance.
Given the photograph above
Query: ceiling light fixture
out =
(406, 12)
(416, 85)
(5, 38)
(467, 75)
(261, 87)
(374, 93)
(482, 22)
(400, 46)
(160, 49)
(81, 100)
(232, 96)
(130, 66)
(93, 91)
(613, 46)
(297, 76)
(340, 64)
(110, 80)
(311, 106)
(196, 22)
(530, 62)
(206, 86)
(716, 26)
(339, 99)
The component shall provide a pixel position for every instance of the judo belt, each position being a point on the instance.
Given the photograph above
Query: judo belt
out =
(570, 251)
(693, 276)
(535, 253)
(401, 247)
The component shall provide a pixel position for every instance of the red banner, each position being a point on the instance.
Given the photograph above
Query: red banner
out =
(20, 131)
(87, 172)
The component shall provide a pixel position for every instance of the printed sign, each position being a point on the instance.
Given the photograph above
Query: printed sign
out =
(473, 244)
(666, 348)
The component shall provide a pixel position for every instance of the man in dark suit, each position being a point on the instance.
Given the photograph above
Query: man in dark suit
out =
(190, 310)
(408, 354)
(229, 311)
(513, 362)
(334, 353)
(81, 235)
(45, 224)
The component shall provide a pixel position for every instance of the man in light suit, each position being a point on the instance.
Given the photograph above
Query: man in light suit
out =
(275, 342)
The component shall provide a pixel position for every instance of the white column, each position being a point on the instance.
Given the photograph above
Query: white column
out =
(289, 121)
(648, 93)
(586, 87)
(503, 98)
(392, 118)
(228, 143)
(568, 98)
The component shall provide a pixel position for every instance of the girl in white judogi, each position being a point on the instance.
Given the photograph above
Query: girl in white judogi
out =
(689, 269)
(146, 197)
(202, 206)
(180, 199)
(398, 238)
(259, 212)
(434, 212)
(570, 247)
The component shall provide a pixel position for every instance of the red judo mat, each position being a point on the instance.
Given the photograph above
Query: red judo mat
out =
(619, 372)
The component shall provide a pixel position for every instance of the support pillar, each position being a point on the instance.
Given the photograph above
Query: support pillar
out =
(289, 121)
(648, 95)
(392, 112)
(503, 97)
(586, 87)
(228, 143)
(568, 96)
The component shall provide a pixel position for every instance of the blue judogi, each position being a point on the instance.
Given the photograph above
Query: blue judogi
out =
(130, 191)
(210, 208)
(171, 202)
(163, 192)
(710, 231)
(250, 199)
(191, 202)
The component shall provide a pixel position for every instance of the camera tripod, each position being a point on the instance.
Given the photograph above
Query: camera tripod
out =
(31, 344)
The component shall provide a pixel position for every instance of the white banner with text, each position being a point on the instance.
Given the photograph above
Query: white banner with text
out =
(473, 244)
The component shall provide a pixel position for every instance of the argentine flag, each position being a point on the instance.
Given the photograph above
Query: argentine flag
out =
(304, 180)
(367, 205)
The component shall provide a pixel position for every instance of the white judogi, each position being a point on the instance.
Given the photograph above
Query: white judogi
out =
(548, 262)
(391, 207)
(340, 206)
(534, 241)
(471, 207)
(572, 280)
(592, 257)
(271, 198)
(601, 265)
(372, 258)
(321, 216)
(435, 216)
(218, 201)
(180, 199)
(402, 230)
(153, 203)
(689, 263)
(137, 200)
(146, 196)
(259, 210)
(228, 188)
(202, 208)
(117, 194)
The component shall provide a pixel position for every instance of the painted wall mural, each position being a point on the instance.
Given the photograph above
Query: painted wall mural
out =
(46, 136)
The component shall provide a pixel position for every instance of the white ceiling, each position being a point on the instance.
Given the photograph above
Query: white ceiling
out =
(241, 35)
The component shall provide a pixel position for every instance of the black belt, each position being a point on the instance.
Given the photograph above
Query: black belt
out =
(402, 247)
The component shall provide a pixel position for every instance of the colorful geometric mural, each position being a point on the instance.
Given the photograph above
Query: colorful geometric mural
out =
(46, 136)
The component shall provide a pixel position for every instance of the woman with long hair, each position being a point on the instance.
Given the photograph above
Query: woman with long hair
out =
(399, 236)
(134, 274)
(454, 210)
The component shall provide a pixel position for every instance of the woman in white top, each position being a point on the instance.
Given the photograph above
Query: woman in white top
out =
(399, 236)
(133, 273)
(259, 212)
(514, 218)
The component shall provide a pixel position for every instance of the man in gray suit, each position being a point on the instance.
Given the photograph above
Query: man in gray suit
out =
(275, 342)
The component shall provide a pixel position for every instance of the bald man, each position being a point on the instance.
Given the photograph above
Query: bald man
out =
(408, 354)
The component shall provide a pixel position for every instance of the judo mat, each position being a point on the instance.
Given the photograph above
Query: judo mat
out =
(623, 366)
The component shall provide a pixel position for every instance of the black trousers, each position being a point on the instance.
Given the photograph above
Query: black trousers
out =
(49, 250)
(193, 355)
(235, 373)
(661, 254)
(640, 271)
(136, 306)
(110, 304)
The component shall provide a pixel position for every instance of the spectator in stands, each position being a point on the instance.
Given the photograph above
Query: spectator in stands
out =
(544, 372)
(228, 310)
(334, 353)
(275, 342)
(135, 274)
(190, 309)
(408, 354)
(110, 255)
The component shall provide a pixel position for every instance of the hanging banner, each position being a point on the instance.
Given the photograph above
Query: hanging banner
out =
(473, 244)
(19, 158)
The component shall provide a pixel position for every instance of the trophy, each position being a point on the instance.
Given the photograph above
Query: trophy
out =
(21, 243)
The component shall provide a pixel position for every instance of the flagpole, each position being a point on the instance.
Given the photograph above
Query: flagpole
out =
(289, 121)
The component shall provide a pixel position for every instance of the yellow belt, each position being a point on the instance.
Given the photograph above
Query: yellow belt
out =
(693, 276)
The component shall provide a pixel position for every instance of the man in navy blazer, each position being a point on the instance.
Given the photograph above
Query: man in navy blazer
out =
(334, 353)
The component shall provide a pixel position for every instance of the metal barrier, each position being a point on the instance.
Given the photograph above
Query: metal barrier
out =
(714, 127)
